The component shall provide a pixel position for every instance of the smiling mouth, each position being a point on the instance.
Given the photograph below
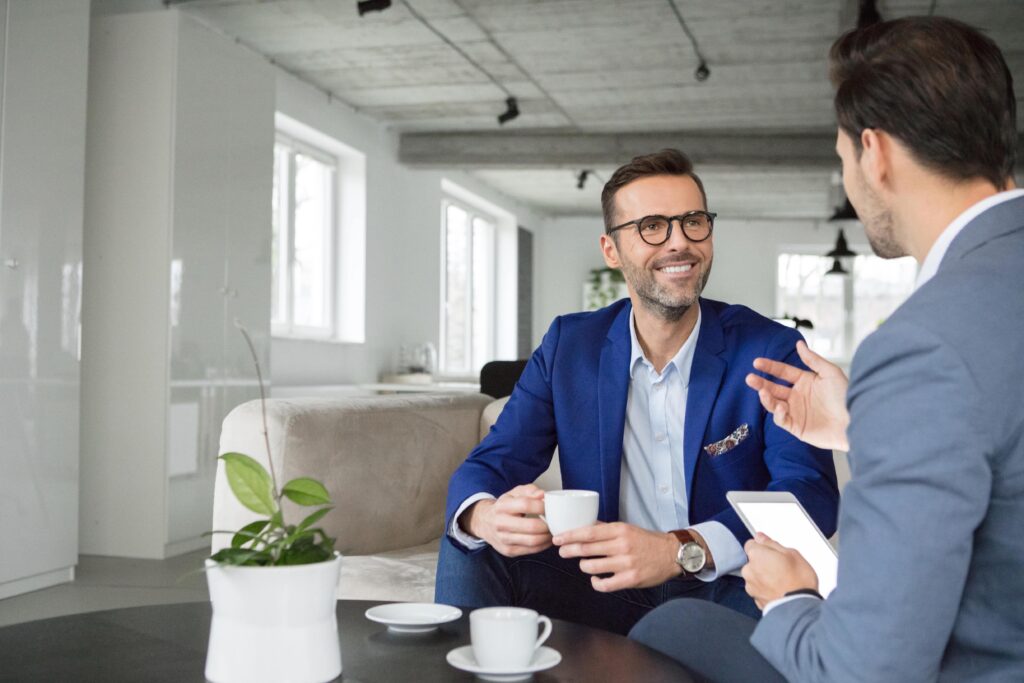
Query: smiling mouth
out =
(677, 268)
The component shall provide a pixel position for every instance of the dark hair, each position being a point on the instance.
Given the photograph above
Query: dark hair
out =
(665, 162)
(938, 86)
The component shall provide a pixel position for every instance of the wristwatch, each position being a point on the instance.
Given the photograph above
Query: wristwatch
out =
(690, 556)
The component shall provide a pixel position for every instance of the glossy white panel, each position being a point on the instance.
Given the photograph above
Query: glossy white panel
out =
(42, 149)
(181, 137)
(224, 136)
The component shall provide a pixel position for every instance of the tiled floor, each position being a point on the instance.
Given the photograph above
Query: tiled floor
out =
(109, 583)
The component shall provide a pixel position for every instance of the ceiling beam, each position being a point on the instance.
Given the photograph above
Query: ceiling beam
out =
(570, 150)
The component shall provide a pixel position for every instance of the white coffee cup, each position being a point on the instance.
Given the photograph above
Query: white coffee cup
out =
(569, 509)
(506, 637)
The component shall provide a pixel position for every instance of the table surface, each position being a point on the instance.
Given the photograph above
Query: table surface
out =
(168, 643)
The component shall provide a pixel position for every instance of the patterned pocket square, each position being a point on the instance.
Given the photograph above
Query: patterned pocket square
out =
(728, 443)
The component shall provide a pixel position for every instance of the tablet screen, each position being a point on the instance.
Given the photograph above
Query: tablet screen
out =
(786, 523)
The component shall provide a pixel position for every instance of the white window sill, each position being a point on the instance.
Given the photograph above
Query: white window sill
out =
(322, 340)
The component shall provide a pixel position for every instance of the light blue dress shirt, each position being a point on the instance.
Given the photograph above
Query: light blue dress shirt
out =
(652, 489)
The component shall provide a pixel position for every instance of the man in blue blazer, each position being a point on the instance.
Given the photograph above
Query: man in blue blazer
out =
(646, 402)
(931, 556)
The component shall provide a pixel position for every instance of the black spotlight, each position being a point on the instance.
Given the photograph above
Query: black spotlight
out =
(702, 72)
(581, 179)
(511, 111)
(365, 6)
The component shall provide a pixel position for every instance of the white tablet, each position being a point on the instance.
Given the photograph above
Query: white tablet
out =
(780, 515)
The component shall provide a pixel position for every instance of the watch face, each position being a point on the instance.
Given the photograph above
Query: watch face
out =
(692, 558)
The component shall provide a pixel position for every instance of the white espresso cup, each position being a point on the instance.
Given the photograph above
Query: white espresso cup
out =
(506, 637)
(569, 509)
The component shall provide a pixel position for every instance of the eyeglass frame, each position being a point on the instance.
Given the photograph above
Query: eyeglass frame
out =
(711, 216)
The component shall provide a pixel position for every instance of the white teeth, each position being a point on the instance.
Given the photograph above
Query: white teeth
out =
(676, 269)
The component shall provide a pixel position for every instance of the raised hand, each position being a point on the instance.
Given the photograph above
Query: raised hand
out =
(814, 408)
(509, 524)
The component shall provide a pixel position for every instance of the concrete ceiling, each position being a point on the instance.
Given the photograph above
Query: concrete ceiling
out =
(591, 68)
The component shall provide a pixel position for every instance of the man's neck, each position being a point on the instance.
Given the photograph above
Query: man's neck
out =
(925, 215)
(661, 339)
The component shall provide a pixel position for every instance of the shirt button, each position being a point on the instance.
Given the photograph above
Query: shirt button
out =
(662, 489)
(659, 437)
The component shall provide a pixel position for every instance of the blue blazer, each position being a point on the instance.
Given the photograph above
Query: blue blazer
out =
(573, 394)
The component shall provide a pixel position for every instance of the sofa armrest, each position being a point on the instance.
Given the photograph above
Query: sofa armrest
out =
(385, 460)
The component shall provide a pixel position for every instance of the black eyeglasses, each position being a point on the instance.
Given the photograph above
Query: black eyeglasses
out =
(656, 230)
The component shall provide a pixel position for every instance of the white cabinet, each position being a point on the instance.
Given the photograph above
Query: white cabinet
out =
(179, 170)
(43, 52)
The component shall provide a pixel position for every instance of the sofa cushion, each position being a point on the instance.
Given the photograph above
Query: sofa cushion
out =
(405, 575)
(385, 460)
(551, 479)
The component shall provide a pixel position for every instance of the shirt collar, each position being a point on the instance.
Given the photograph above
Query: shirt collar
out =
(683, 360)
(930, 266)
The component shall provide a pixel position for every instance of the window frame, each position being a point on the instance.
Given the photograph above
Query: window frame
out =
(473, 213)
(345, 239)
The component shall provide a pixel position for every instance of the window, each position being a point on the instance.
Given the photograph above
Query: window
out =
(468, 331)
(843, 309)
(318, 254)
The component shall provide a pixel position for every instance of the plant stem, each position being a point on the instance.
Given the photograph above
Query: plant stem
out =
(263, 409)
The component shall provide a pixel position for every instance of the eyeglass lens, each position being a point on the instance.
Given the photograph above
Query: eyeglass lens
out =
(655, 229)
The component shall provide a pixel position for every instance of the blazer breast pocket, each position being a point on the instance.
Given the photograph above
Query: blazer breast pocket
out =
(734, 446)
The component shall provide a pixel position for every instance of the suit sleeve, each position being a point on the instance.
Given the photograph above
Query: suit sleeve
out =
(807, 472)
(920, 488)
(518, 448)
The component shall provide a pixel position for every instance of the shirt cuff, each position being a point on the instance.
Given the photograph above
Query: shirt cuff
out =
(466, 540)
(783, 600)
(725, 549)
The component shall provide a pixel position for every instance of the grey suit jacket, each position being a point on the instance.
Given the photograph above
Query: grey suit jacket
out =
(931, 557)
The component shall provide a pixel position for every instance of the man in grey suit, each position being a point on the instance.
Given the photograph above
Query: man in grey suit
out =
(931, 557)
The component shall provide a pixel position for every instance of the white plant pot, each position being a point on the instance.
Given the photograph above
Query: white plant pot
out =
(273, 624)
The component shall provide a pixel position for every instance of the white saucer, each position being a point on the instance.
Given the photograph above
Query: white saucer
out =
(462, 658)
(413, 617)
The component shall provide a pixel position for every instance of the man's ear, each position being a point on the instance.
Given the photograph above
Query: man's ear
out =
(610, 251)
(876, 158)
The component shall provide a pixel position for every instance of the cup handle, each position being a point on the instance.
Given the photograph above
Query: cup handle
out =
(547, 631)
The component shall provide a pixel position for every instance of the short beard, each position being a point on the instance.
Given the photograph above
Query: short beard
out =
(882, 237)
(878, 225)
(654, 300)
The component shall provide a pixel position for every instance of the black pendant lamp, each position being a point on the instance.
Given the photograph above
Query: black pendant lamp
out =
(837, 268)
(841, 250)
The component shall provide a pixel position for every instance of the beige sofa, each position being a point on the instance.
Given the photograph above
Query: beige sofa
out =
(385, 460)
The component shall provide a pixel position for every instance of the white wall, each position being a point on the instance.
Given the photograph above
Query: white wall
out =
(744, 270)
(403, 248)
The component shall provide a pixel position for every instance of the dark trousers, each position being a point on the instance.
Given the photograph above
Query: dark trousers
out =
(707, 639)
(556, 587)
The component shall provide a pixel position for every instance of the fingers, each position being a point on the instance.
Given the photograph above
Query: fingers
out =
(521, 525)
(519, 505)
(588, 550)
(783, 371)
(813, 360)
(588, 534)
(526, 491)
(514, 545)
(766, 541)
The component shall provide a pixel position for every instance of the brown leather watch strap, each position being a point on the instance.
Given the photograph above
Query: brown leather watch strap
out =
(687, 536)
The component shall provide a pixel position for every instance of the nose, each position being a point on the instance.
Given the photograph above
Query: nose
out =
(677, 238)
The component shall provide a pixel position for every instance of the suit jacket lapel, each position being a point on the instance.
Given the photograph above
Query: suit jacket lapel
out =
(705, 378)
(612, 391)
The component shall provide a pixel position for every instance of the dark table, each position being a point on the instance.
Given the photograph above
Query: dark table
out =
(168, 643)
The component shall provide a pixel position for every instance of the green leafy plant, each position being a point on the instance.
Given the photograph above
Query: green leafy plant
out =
(272, 541)
(604, 287)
